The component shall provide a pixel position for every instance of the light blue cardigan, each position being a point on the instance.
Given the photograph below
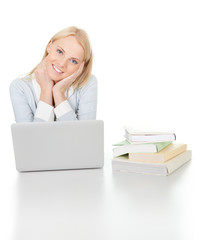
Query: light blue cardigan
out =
(24, 101)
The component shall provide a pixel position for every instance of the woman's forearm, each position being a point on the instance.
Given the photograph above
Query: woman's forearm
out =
(47, 96)
(58, 97)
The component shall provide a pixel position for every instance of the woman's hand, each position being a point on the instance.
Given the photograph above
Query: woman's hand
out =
(42, 76)
(61, 86)
(46, 84)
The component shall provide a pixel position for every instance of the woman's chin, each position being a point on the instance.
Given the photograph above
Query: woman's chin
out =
(55, 78)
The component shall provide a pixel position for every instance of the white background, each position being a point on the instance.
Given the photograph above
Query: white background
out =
(148, 58)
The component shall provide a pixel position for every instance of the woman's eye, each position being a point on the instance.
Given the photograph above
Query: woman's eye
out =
(73, 61)
(59, 51)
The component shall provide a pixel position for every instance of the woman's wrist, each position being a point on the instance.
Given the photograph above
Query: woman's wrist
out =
(47, 96)
(47, 87)
(59, 97)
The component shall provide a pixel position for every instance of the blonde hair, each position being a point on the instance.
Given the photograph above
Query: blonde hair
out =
(82, 38)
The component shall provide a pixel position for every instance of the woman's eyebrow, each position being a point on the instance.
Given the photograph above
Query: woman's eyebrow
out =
(61, 48)
(71, 57)
(76, 58)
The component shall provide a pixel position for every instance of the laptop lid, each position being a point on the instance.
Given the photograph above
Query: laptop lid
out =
(40, 146)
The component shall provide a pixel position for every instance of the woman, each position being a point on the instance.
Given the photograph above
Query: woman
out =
(60, 87)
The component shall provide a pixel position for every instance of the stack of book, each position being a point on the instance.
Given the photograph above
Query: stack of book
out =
(149, 153)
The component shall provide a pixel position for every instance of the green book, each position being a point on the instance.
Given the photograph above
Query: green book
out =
(122, 143)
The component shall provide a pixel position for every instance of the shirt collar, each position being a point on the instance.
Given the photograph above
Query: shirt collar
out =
(68, 93)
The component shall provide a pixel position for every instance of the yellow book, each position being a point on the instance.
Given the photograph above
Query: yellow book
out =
(164, 155)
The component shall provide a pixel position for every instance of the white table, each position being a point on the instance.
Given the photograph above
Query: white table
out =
(101, 204)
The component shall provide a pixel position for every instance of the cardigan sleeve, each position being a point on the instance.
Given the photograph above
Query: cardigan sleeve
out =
(87, 103)
(19, 94)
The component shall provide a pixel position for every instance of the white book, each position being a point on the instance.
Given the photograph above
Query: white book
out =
(125, 147)
(123, 164)
(149, 136)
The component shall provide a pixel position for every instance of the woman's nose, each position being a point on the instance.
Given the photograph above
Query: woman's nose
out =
(63, 62)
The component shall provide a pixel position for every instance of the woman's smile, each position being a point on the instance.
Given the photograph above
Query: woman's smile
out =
(57, 70)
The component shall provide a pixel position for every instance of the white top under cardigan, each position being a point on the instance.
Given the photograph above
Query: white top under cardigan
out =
(81, 104)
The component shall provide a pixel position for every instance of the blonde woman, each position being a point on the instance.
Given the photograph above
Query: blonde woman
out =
(60, 87)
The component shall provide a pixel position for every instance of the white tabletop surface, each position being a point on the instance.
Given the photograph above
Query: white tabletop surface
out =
(99, 204)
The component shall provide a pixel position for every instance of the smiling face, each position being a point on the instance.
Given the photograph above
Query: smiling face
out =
(64, 57)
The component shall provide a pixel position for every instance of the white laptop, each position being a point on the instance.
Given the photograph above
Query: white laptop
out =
(41, 146)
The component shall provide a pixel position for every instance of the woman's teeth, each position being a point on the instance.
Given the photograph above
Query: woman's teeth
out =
(56, 69)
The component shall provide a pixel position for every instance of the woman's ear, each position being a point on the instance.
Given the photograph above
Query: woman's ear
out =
(49, 46)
